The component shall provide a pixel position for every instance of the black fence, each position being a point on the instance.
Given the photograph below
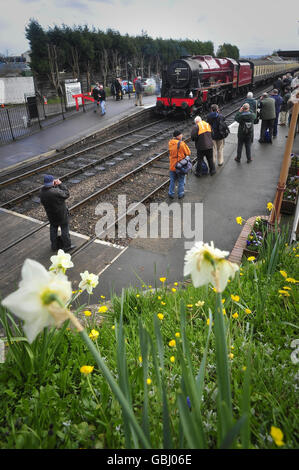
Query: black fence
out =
(17, 121)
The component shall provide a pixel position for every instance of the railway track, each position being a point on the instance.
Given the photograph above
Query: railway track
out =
(137, 188)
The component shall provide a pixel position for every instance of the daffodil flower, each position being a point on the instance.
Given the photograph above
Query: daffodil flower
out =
(207, 264)
(277, 436)
(61, 262)
(269, 206)
(39, 298)
(89, 281)
(239, 220)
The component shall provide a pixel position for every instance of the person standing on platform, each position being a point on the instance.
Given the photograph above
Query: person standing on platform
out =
(95, 95)
(278, 102)
(118, 89)
(102, 98)
(139, 91)
(252, 102)
(267, 115)
(201, 134)
(245, 118)
(218, 125)
(178, 150)
(284, 107)
(53, 195)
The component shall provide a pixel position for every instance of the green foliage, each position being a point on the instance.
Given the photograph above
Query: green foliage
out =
(228, 50)
(106, 53)
(220, 385)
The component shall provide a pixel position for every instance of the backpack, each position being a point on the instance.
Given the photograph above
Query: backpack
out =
(223, 129)
(183, 166)
(247, 128)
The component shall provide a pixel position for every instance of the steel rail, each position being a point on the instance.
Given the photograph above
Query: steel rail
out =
(82, 169)
(22, 176)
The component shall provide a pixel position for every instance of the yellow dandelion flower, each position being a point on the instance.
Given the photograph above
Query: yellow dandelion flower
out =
(103, 309)
(228, 281)
(284, 274)
(241, 274)
(214, 289)
(93, 334)
(251, 258)
(247, 310)
(86, 369)
(175, 283)
(140, 359)
(172, 359)
(172, 343)
(291, 280)
(103, 297)
(223, 301)
(163, 303)
(178, 334)
(277, 436)
(231, 355)
(87, 313)
(162, 279)
(239, 220)
(148, 381)
(150, 287)
(137, 295)
(224, 311)
(244, 368)
(159, 297)
(287, 288)
(113, 327)
(189, 305)
(160, 316)
(173, 289)
(232, 347)
(235, 315)
(235, 298)
(269, 206)
(284, 292)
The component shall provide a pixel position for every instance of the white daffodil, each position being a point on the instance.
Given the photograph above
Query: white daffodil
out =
(89, 281)
(34, 301)
(207, 264)
(61, 262)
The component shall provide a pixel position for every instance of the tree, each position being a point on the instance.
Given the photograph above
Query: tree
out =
(228, 50)
(38, 45)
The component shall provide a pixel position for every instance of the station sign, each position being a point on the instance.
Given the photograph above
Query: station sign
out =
(71, 88)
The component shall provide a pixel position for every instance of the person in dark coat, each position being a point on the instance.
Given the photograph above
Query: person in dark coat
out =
(53, 195)
(95, 95)
(118, 89)
(278, 102)
(245, 118)
(201, 134)
(217, 121)
(267, 115)
(138, 91)
(284, 107)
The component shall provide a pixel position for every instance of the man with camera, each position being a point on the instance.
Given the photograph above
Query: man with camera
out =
(53, 195)
(245, 118)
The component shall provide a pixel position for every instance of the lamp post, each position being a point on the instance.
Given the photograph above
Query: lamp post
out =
(286, 160)
(129, 68)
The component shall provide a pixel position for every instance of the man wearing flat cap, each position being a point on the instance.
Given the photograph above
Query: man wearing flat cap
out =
(53, 195)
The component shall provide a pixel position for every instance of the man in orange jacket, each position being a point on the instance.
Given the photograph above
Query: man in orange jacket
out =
(178, 150)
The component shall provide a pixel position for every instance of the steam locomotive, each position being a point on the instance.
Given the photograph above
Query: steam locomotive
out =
(192, 83)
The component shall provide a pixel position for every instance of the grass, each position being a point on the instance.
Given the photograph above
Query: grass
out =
(172, 388)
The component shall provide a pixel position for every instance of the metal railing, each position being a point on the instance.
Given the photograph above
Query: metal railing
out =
(17, 121)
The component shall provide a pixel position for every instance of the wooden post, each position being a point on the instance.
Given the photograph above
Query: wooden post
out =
(274, 217)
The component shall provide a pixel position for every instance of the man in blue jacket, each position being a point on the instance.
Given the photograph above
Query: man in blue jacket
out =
(278, 102)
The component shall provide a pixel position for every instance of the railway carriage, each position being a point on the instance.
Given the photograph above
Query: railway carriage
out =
(192, 83)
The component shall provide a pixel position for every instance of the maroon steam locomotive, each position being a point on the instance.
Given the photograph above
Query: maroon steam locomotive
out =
(193, 83)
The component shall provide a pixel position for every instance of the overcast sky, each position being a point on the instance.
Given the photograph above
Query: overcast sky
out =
(255, 26)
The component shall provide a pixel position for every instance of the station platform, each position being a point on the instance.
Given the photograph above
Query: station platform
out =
(45, 142)
(235, 190)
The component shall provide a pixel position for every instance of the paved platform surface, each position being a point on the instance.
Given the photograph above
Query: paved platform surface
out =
(67, 131)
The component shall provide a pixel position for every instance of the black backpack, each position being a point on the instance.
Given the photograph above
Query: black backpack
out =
(223, 129)
(247, 127)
